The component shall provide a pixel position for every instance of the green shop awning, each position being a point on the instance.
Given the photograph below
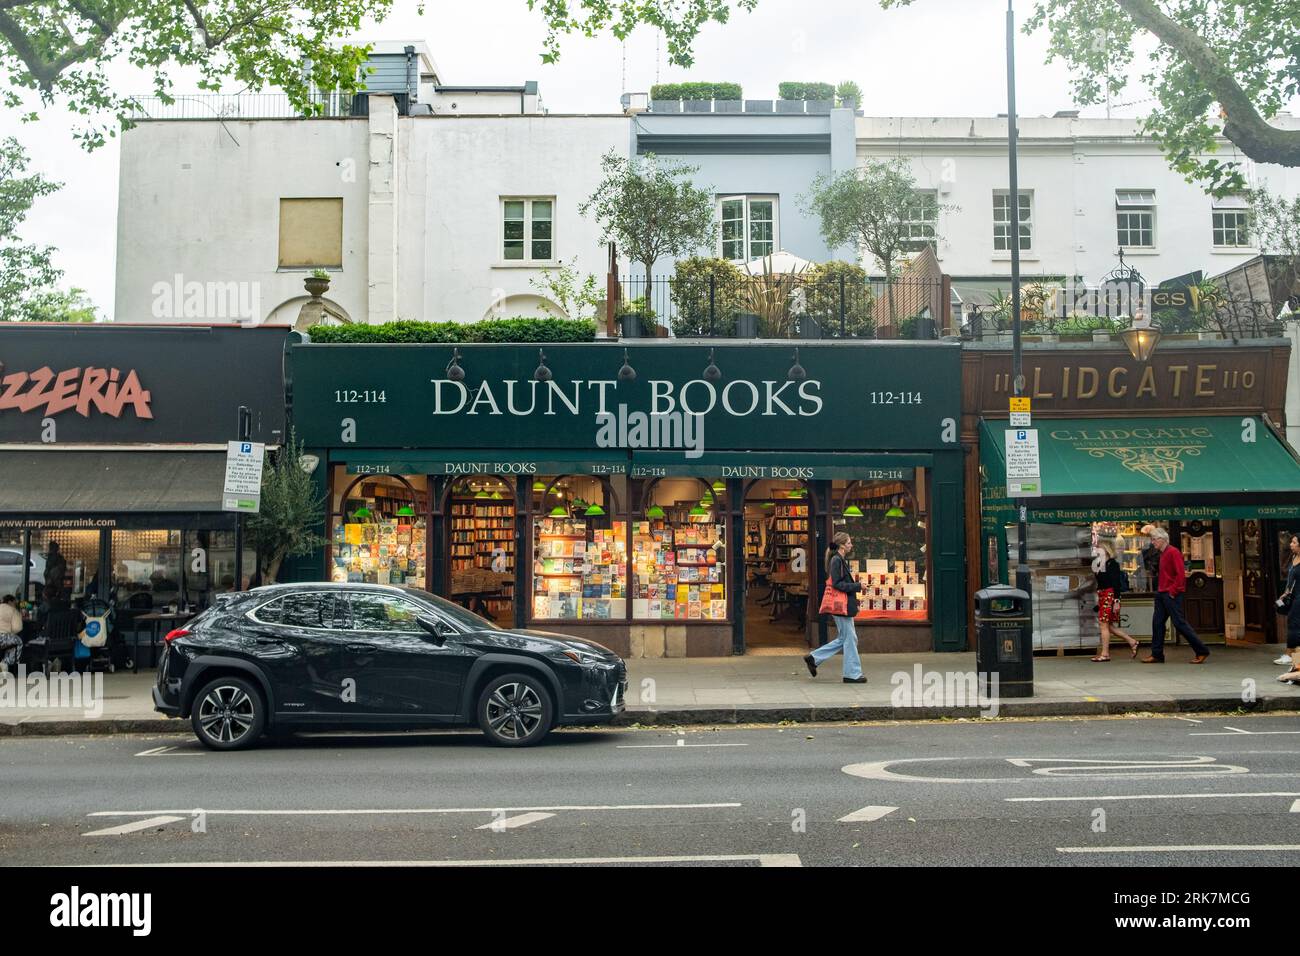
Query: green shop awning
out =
(804, 466)
(1125, 469)
(482, 462)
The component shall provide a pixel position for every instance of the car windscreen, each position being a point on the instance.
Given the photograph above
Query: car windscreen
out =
(462, 617)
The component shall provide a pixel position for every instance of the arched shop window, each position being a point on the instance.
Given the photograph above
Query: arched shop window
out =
(679, 551)
(888, 522)
(481, 559)
(579, 550)
(379, 530)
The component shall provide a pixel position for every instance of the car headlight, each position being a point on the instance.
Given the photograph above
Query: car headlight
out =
(578, 653)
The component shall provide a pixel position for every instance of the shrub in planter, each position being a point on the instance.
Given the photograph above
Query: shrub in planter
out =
(695, 91)
(533, 330)
(690, 295)
(637, 319)
(806, 91)
(822, 285)
(519, 329)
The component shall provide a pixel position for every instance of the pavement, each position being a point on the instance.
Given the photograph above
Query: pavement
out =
(1161, 791)
(772, 689)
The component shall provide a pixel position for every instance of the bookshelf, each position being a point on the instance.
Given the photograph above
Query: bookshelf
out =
(483, 532)
(789, 531)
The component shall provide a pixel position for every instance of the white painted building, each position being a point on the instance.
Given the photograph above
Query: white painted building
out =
(1088, 187)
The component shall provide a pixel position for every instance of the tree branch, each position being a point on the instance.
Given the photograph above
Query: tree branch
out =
(1256, 138)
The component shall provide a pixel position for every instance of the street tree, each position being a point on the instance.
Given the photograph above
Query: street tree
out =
(1275, 221)
(59, 305)
(290, 514)
(871, 209)
(26, 269)
(1218, 67)
(61, 49)
(650, 208)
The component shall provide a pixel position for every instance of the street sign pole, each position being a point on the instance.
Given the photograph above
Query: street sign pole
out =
(245, 432)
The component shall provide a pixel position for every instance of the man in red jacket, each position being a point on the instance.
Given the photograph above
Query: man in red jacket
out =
(1169, 602)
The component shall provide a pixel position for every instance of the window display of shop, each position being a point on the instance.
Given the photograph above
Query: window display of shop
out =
(379, 532)
(579, 552)
(679, 552)
(887, 521)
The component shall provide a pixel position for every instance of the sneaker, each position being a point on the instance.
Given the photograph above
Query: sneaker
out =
(855, 680)
(1283, 660)
(812, 664)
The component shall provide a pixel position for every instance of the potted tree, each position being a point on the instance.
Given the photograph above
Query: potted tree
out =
(291, 510)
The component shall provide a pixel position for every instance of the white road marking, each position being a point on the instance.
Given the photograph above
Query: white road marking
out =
(680, 743)
(1087, 767)
(1184, 767)
(867, 814)
(762, 859)
(1206, 848)
(168, 752)
(1189, 720)
(134, 827)
(1295, 807)
(509, 823)
(399, 812)
(1237, 733)
(1149, 796)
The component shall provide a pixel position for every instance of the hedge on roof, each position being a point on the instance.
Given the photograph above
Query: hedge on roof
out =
(806, 91)
(519, 329)
(695, 91)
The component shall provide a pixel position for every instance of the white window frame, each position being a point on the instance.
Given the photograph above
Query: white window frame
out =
(916, 227)
(1135, 202)
(528, 239)
(747, 200)
(1237, 207)
(1026, 221)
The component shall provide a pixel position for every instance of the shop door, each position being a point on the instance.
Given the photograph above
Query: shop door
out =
(1203, 601)
(1255, 583)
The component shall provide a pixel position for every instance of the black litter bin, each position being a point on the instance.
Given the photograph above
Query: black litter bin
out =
(1004, 640)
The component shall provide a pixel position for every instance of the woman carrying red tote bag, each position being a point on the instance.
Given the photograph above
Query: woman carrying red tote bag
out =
(840, 601)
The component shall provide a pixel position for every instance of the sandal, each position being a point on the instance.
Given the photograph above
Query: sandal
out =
(1100, 660)
(1136, 647)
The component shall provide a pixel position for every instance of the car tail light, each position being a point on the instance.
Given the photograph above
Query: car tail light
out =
(172, 635)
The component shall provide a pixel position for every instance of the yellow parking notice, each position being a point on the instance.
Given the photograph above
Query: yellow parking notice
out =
(1020, 404)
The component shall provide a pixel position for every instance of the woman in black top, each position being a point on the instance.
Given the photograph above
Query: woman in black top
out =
(1109, 578)
(1293, 616)
(841, 579)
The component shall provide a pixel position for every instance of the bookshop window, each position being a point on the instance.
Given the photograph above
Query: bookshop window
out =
(378, 529)
(679, 552)
(579, 549)
(887, 521)
(481, 555)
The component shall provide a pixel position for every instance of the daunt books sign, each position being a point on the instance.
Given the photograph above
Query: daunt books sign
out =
(833, 396)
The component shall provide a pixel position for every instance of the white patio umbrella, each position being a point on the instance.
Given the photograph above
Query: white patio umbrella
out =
(778, 263)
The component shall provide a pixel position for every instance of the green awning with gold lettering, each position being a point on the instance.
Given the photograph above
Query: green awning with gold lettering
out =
(1233, 466)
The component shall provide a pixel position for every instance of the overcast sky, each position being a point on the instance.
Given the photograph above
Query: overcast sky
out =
(938, 57)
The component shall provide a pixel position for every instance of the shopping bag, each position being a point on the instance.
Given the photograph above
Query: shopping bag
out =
(835, 603)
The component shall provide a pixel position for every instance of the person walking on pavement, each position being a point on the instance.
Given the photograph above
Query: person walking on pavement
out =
(846, 640)
(1109, 583)
(1293, 613)
(1169, 602)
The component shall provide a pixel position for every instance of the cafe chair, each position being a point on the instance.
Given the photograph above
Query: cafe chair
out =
(55, 641)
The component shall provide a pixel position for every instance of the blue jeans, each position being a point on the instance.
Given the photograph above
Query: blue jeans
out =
(846, 639)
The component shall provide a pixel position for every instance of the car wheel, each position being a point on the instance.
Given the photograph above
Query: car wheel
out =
(516, 710)
(228, 714)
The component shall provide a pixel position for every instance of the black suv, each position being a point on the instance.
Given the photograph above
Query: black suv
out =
(317, 656)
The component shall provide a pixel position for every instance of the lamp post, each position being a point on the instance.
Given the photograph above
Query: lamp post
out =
(1017, 349)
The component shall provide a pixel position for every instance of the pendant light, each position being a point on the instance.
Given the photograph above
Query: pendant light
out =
(539, 486)
(406, 511)
(594, 511)
(719, 487)
(654, 511)
(895, 511)
(559, 512)
(697, 511)
(853, 511)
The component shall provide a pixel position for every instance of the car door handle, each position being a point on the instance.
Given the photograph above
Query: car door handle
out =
(268, 640)
(361, 647)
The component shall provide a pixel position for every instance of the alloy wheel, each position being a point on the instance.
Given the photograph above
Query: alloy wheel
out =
(227, 713)
(514, 711)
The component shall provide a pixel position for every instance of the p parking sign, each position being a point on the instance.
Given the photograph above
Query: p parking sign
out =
(243, 488)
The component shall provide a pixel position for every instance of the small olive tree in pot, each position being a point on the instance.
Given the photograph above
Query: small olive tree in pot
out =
(290, 513)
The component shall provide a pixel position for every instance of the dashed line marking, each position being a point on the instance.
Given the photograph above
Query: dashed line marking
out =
(867, 814)
(511, 823)
(134, 827)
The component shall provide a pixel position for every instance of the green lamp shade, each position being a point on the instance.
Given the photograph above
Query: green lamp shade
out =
(719, 486)
(697, 511)
(706, 501)
(559, 511)
(539, 486)
(481, 494)
(594, 511)
(496, 495)
(853, 511)
(654, 511)
(361, 513)
(406, 511)
(769, 504)
(895, 512)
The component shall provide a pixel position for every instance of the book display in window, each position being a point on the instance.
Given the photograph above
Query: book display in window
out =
(383, 551)
(579, 572)
(679, 569)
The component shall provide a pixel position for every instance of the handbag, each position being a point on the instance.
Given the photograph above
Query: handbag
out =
(1283, 604)
(834, 602)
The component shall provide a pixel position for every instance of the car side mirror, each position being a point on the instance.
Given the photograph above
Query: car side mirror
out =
(436, 630)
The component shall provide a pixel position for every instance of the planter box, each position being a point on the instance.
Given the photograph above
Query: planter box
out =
(789, 106)
(1101, 336)
(746, 325)
(810, 328)
(699, 106)
(631, 326)
(925, 329)
(758, 106)
(665, 106)
(1209, 336)
(726, 106)
(820, 106)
